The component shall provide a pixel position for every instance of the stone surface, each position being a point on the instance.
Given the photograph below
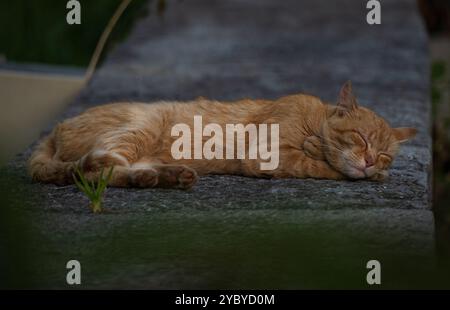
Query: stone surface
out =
(235, 232)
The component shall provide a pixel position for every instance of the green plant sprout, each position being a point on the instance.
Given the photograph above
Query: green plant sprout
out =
(94, 191)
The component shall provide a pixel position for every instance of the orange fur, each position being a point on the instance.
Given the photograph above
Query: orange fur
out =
(317, 140)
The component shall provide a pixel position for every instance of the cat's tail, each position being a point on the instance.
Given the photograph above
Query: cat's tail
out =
(43, 166)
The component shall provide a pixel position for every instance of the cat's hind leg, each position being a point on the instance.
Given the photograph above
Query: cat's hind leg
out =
(145, 173)
(98, 159)
(124, 174)
(95, 161)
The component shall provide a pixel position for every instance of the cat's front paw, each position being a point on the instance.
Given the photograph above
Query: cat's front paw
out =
(380, 176)
(312, 146)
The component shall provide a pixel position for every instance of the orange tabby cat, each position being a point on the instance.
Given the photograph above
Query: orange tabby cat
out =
(316, 140)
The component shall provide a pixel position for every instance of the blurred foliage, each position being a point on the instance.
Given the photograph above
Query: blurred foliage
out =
(17, 261)
(437, 74)
(437, 70)
(37, 31)
(161, 7)
(440, 90)
(436, 14)
(440, 85)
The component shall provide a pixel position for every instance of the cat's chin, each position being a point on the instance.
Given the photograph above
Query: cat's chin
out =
(368, 173)
(355, 173)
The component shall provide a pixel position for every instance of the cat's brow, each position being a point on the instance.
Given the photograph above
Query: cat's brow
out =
(342, 130)
(387, 155)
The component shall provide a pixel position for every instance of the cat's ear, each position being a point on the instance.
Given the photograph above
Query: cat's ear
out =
(347, 99)
(403, 134)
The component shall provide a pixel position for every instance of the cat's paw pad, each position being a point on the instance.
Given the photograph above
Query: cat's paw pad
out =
(144, 178)
(181, 177)
(380, 176)
(187, 178)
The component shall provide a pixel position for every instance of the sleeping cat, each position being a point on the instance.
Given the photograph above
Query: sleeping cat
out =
(316, 140)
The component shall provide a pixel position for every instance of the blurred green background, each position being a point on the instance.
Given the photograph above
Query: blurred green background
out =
(436, 15)
(37, 31)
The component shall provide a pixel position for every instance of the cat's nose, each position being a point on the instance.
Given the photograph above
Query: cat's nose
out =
(369, 161)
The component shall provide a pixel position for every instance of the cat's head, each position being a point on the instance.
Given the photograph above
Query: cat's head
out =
(357, 142)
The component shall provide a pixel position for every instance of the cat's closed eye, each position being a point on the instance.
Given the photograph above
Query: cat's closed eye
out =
(358, 139)
(353, 138)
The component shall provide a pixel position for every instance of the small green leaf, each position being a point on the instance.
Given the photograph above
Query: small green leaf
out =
(93, 190)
